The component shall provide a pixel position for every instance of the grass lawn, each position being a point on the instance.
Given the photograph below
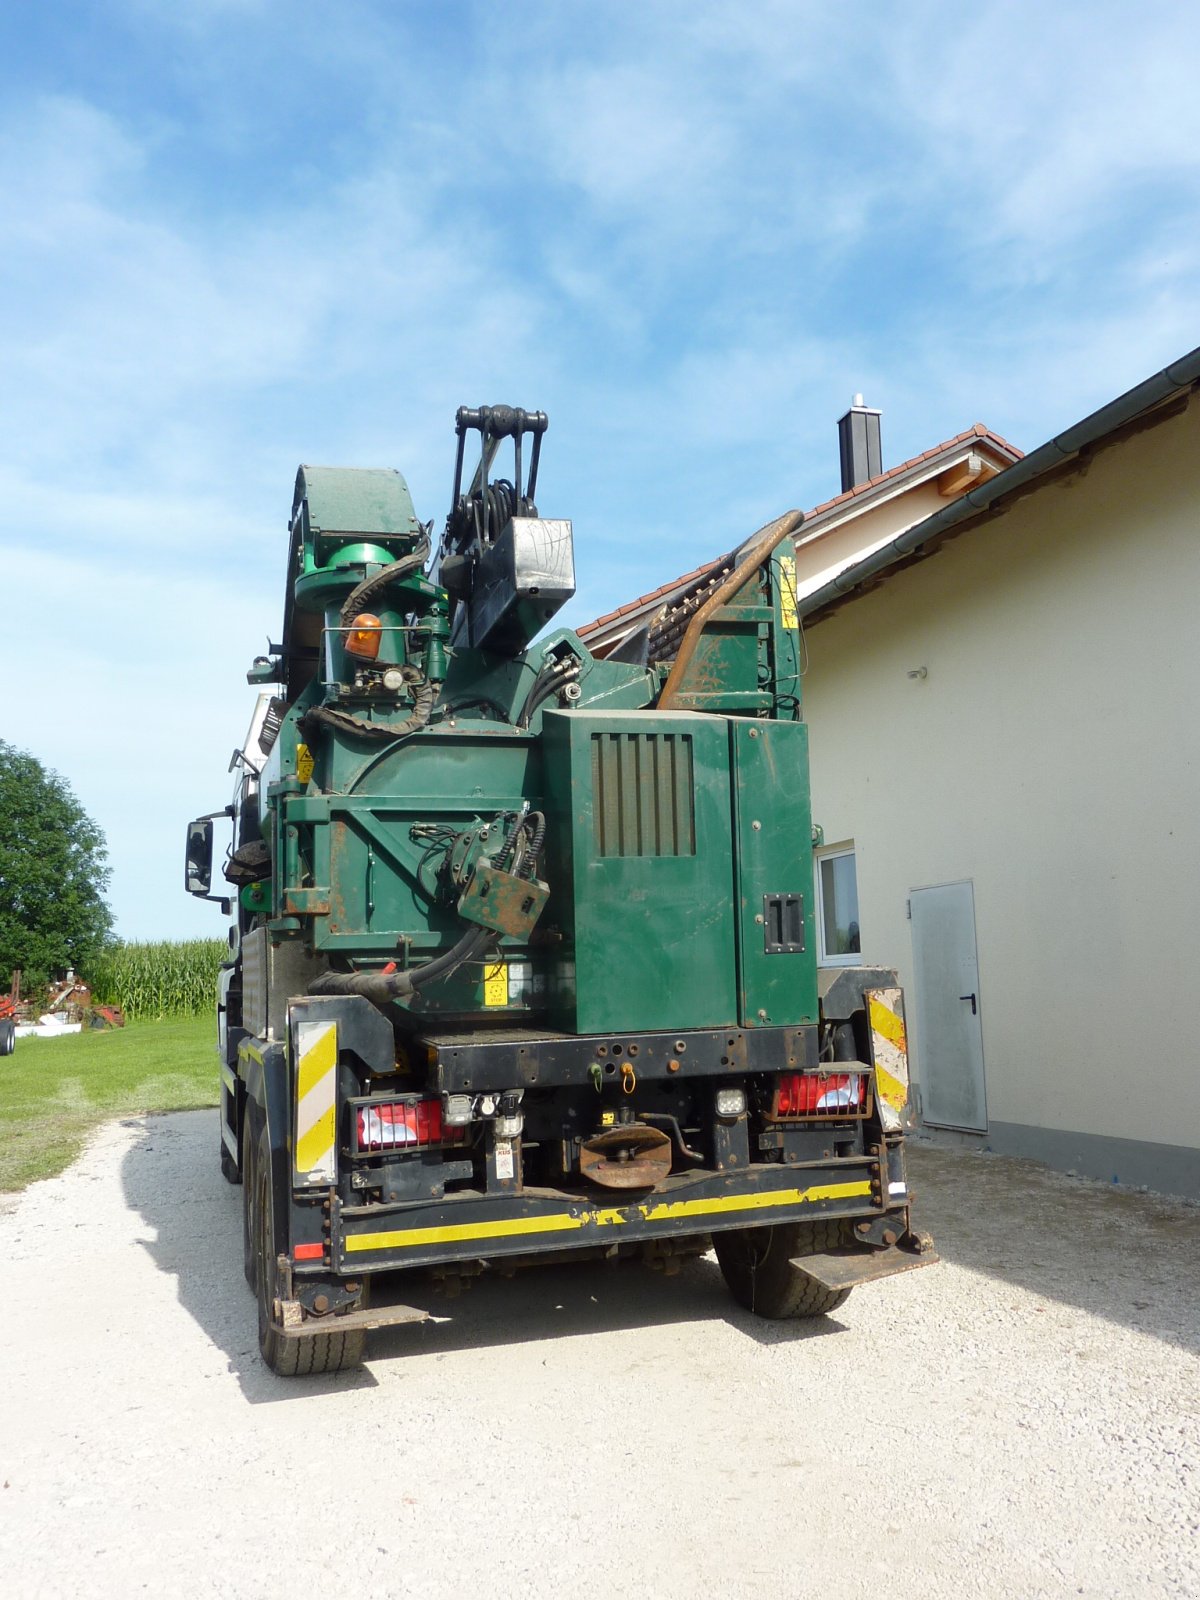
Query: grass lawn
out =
(54, 1091)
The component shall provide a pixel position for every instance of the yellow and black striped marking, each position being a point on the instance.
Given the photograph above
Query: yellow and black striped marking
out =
(889, 1048)
(316, 1095)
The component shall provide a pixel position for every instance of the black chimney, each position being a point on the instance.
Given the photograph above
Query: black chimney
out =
(858, 439)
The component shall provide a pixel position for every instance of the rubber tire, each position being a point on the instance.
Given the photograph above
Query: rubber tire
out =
(8, 1038)
(756, 1266)
(314, 1352)
(249, 1260)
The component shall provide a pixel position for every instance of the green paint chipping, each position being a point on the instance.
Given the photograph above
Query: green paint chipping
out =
(53, 1092)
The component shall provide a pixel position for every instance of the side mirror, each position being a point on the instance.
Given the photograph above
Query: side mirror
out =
(198, 867)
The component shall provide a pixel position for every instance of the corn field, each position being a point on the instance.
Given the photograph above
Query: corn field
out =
(162, 978)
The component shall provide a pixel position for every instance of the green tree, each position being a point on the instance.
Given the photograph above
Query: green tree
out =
(53, 873)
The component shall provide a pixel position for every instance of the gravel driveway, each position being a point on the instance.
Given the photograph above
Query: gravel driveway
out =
(1022, 1420)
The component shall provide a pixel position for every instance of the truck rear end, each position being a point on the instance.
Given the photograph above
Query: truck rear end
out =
(522, 957)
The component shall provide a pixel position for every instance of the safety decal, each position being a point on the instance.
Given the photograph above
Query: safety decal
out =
(495, 985)
(787, 591)
(316, 1095)
(304, 763)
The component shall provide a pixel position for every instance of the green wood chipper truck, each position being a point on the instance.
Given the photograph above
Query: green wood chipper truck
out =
(522, 958)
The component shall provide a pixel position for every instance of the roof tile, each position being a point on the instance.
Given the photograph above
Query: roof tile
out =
(977, 431)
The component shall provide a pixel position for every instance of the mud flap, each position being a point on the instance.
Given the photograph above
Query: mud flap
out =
(843, 1269)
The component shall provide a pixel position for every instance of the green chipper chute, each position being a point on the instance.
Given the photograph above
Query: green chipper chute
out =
(522, 954)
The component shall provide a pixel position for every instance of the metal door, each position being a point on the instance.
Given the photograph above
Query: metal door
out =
(949, 1030)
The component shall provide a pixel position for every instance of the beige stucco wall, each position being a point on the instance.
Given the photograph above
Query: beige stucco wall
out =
(826, 553)
(1052, 756)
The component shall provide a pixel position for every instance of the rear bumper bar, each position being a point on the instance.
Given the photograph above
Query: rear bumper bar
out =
(474, 1227)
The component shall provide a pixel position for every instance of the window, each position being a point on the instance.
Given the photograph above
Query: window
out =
(837, 908)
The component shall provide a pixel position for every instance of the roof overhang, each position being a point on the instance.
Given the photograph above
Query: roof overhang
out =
(1159, 397)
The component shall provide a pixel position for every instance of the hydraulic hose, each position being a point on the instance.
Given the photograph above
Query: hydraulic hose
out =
(382, 987)
(521, 849)
(547, 683)
(423, 698)
(369, 587)
(533, 848)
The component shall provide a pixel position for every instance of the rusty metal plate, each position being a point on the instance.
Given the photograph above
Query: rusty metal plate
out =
(349, 1321)
(843, 1269)
(503, 902)
(634, 1157)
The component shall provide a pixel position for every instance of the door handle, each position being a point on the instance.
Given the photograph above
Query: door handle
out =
(971, 998)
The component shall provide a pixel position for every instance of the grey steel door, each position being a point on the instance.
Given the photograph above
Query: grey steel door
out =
(949, 1029)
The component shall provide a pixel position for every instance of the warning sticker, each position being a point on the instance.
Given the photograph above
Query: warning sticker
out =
(495, 985)
(504, 1159)
(787, 591)
(304, 763)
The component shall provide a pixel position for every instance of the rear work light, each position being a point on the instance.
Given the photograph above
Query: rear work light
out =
(820, 1094)
(402, 1124)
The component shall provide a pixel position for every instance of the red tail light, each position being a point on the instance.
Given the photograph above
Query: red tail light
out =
(820, 1094)
(395, 1124)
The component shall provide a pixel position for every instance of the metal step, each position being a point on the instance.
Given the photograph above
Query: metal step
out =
(348, 1322)
(842, 1269)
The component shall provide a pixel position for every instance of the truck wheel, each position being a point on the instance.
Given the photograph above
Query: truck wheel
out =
(756, 1265)
(8, 1037)
(314, 1352)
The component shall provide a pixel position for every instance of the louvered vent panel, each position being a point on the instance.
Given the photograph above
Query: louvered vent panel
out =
(642, 794)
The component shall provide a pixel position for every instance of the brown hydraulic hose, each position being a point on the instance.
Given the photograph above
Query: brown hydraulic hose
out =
(760, 547)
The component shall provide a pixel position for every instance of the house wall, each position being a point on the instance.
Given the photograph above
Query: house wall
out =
(1052, 757)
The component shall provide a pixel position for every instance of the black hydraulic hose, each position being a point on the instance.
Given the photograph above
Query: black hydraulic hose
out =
(546, 684)
(533, 848)
(369, 587)
(523, 844)
(472, 944)
(500, 714)
(423, 698)
(382, 987)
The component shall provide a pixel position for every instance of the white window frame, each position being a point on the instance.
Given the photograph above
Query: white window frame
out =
(827, 958)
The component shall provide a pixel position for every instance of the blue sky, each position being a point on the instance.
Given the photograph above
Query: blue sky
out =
(240, 234)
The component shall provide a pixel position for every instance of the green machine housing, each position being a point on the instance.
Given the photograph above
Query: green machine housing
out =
(522, 946)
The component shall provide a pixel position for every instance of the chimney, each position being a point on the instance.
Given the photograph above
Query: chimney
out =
(858, 440)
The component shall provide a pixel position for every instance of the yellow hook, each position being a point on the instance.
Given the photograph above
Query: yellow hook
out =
(628, 1077)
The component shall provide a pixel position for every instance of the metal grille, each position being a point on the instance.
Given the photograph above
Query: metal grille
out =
(642, 794)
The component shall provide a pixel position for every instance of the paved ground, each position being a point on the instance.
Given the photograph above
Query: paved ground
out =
(1023, 1420)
